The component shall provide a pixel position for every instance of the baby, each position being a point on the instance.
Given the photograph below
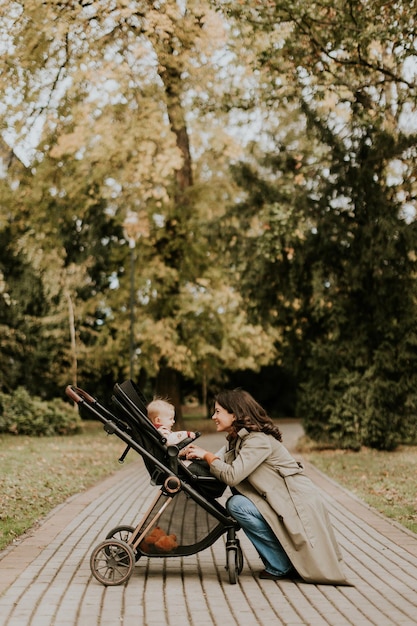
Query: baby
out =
(162, 415)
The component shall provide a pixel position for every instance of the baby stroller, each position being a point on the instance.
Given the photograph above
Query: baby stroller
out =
(184, 517)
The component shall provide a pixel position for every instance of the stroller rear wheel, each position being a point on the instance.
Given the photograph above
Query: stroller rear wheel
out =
(234, 558)
(123, 533)
(112, 562)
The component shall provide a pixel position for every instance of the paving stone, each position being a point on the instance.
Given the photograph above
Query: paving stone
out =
(46, 579)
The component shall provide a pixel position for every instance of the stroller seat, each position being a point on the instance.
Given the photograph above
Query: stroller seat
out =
(130, 406)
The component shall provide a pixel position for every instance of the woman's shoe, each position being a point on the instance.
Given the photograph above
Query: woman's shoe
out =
(268, 576)
(289, 575)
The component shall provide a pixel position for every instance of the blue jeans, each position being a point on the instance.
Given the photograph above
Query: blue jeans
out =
(259, 532)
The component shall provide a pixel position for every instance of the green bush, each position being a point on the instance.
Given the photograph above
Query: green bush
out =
(351, 409)
(23, 414)
(347, 410)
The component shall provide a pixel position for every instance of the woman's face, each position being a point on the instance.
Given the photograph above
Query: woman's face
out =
(224, 420)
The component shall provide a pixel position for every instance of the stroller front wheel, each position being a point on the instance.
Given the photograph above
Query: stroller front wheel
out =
(234, 558)
(112, 562)
(123, 533)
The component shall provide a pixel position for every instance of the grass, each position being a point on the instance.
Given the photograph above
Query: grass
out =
(37, 474)
(387, 481)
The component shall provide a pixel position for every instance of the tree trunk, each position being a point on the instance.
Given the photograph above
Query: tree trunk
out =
(71, 319)
(168, 386)
(168, 380)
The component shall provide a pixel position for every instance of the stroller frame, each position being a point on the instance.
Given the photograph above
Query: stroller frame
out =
(179, 500)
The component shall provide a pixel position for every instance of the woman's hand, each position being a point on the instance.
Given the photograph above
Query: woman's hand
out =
(194, 452)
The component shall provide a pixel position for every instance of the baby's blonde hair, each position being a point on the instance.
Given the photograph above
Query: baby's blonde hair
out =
(155, 407)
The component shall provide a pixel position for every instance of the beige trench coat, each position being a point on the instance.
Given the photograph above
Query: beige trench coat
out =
(262, 469)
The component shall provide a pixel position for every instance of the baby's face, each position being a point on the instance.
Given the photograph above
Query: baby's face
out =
(167, 418)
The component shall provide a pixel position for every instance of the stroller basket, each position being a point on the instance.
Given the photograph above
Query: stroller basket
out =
(184, 517)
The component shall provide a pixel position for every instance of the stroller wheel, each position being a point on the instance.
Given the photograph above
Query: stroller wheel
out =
(123, 533)
(112, 562)
(234, 565)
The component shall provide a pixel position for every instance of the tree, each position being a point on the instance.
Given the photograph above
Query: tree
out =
(351, 247)
(115, 91)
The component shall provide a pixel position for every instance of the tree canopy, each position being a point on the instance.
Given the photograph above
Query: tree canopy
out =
(236, 178)
(334, 199)
(118, 90)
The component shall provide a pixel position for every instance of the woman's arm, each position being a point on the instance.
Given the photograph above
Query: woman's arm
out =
(194, 452)
(255, 448)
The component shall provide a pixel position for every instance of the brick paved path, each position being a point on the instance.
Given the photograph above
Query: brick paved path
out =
(46, 580)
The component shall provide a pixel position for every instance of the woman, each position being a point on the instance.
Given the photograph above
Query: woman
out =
(277, 506)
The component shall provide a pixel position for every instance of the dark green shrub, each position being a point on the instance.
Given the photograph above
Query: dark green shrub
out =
(23, 414)
(333, 412)
(349, 409)
(347, 412)
(382, 422)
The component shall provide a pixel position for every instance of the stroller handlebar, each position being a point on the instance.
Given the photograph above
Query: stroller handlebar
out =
(78, 395)
(185, 442)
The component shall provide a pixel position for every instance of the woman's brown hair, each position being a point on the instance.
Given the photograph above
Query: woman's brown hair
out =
(249, 414)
